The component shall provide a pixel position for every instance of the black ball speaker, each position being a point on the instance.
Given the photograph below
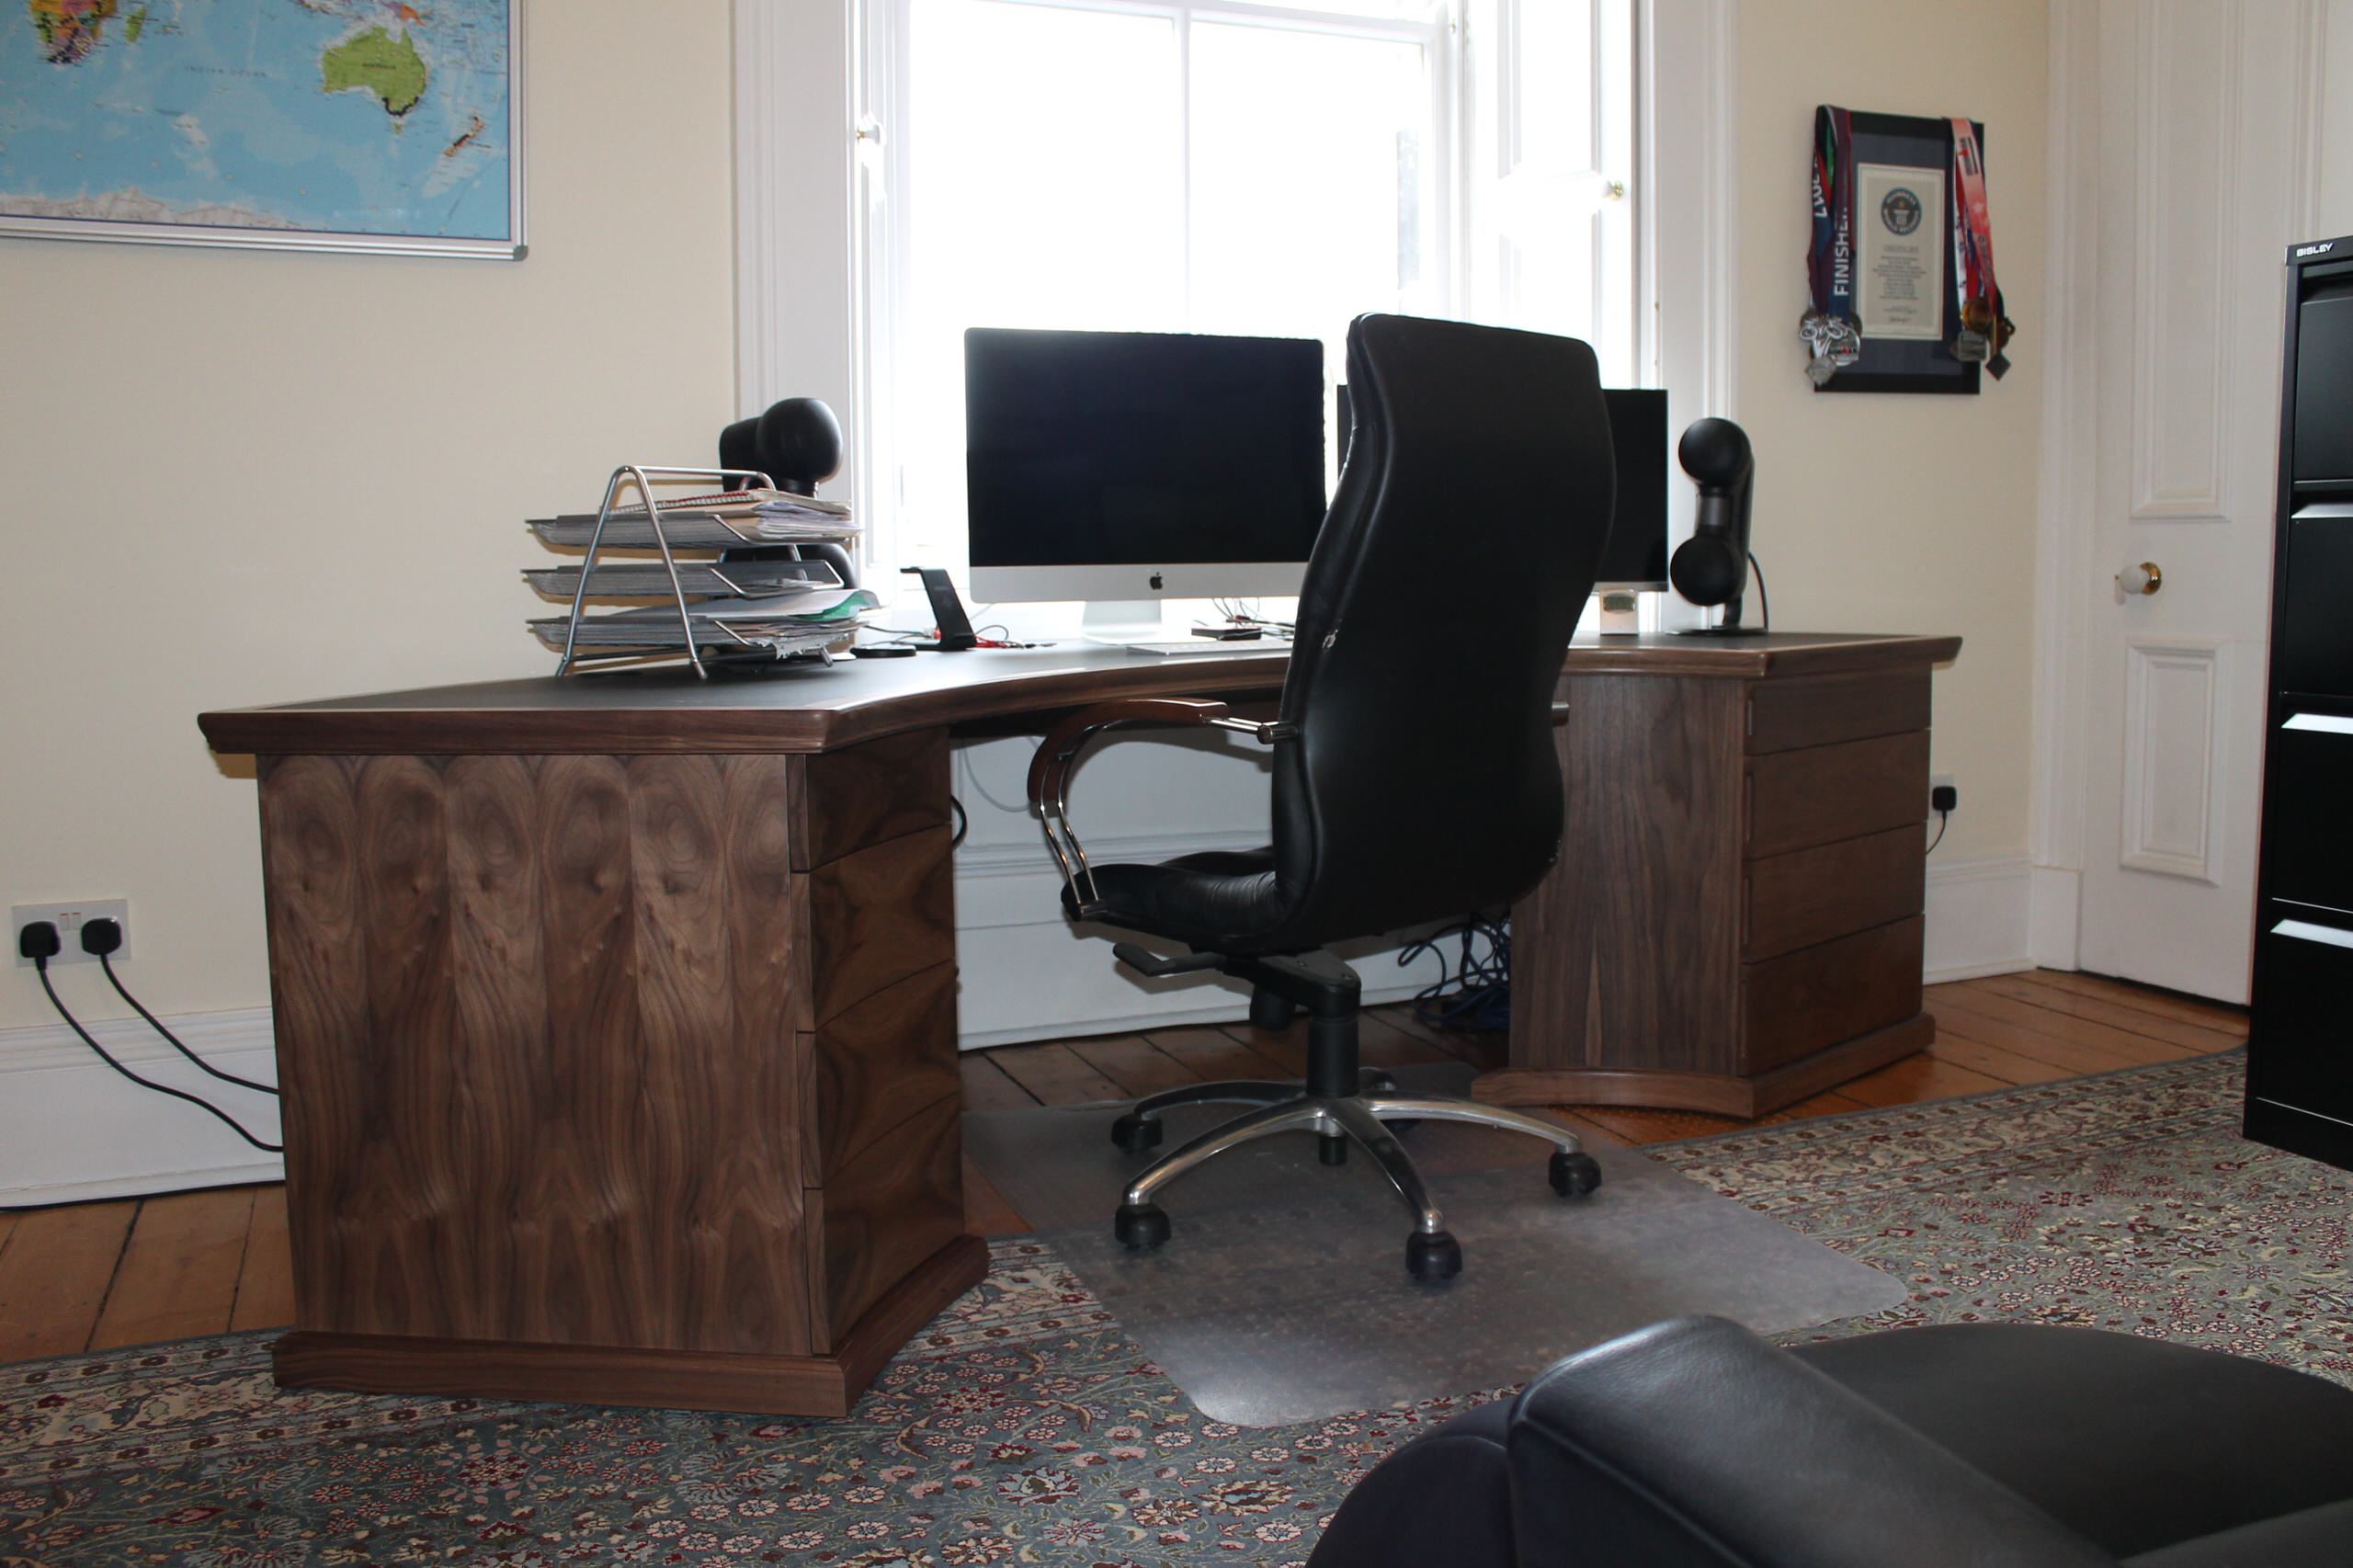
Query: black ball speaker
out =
(798, 444)
(1711, 566)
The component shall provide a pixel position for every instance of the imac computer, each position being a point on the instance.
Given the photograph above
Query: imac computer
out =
(1128, 468)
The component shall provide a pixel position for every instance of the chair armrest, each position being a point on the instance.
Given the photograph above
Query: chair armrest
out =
(1695, 1442)
(1051, 768)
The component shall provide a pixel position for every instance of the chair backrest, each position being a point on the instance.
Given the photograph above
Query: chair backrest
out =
(1459, 547)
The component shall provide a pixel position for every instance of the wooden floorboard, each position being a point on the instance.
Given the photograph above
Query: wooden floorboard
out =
(92, 1275)
(53, 1278)
(1054, 1073)
(178, 1273)
(2167, 1004)
(2197, 1037)
(1132, 1062)
(265, 1274)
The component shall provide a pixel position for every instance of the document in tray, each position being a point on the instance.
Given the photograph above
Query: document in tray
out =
(700, 528)
(740, 579)
(807, 619)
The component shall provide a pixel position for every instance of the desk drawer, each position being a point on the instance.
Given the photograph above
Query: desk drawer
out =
(1821, 710)
(1799, 799)
(1802, 1002)
(875, 917)
(2307, 840)
(1833, 889)
(883, 1213)
(2300, 1048)
(876, 1065)
(844, 800)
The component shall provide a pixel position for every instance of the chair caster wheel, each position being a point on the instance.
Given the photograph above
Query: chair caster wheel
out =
(1573, 1176)
(1434, 1256)
(1136, 1133)
(1139, 1226)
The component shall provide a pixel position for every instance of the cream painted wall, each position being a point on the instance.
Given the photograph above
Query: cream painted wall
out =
(2333, 211)
(1891, 513)
(193, 438)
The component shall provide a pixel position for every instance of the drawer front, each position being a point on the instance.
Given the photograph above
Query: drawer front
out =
(2307, 844)
(1833, 889)
(1802, 1002)
(886, 1211)
(2299, 1046)
(2315, 639)
(844, 800)
(1791, 715)
(1799, 799)
(878, 916)
(876, 1065)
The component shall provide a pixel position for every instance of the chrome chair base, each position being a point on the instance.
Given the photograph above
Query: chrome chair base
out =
(1363, 1118)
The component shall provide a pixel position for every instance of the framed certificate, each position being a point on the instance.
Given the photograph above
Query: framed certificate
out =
(1905, 298)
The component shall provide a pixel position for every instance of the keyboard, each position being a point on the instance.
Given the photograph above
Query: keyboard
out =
(1211, 645)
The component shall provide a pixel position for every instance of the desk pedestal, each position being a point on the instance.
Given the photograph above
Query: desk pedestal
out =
(1735, 921)
(619, 1078)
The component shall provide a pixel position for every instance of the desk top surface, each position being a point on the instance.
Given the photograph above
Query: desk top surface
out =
(808, 708)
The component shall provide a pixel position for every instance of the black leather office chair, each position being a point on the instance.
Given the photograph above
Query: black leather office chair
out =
(1697, 1445)
(1415, 776)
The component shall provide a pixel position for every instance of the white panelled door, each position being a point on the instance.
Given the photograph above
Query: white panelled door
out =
(2205, 169)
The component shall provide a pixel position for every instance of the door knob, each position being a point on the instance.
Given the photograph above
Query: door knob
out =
(2145, 578)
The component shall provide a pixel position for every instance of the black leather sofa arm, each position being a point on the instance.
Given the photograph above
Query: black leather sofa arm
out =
(1785, 1469)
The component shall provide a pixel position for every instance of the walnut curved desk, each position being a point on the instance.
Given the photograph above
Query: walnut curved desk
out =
(616, 1016)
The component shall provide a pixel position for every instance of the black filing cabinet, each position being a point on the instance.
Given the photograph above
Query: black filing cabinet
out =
(2299, 1051)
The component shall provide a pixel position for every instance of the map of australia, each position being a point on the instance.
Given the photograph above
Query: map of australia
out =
(352, 117)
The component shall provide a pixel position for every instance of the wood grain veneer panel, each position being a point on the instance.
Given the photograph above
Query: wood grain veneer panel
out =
(1832, 889)
(538, 1021)
(1625, 954)
(1788, 715)
(1798, 799)
(1817, 996)
(866, 794)
(887, 1210)
(878, 916)
(879, 1062)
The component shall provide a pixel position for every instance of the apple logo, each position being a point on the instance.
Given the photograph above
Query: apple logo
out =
(1156, 581)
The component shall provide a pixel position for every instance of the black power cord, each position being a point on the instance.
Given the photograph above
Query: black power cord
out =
(102, 938)
(1764, 599)
(1474, 992)
(37, 941)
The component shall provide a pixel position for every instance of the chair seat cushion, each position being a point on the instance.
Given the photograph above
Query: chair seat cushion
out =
(2133, 1443)
(2317, 1538)
(1217, 899)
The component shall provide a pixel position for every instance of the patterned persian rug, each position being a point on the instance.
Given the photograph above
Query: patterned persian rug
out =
(1021, 1428)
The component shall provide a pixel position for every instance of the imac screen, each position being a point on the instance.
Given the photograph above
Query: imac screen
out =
(1140, 449)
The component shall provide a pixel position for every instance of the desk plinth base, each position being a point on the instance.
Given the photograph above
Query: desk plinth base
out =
(1718, 1093)
(666, 1380)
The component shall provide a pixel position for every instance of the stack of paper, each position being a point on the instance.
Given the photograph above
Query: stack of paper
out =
(798, 623)
(711, 522)
(742, 579)
(775, 609)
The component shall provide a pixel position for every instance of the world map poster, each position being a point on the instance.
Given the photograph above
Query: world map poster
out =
(372, 125)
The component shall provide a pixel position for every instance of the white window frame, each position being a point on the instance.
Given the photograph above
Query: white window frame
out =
(806, 323)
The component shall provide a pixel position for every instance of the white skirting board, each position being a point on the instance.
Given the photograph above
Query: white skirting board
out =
(71, 1129)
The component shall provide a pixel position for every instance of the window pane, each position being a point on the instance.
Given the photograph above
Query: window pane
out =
(1044, 189)
(1308, 175)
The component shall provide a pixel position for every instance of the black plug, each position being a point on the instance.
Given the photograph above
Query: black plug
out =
(1943, 798)
(101, 936)
(38, 940)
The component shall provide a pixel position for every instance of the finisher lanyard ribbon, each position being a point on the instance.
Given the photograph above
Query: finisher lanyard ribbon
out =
(1984, 327)
(1832, 338)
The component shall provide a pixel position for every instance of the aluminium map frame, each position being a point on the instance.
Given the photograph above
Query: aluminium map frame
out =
(230, 236)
